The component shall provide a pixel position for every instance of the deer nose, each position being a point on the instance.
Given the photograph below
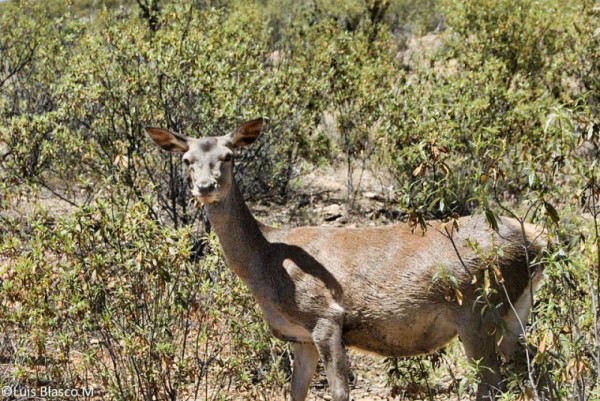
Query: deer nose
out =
(205, 187)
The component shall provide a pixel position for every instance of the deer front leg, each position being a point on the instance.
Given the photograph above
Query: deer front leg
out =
(305, 364)
(328, 340)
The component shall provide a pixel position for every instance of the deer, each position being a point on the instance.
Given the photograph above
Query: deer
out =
(374, 289)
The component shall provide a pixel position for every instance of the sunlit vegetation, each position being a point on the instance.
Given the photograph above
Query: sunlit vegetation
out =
(476, 106)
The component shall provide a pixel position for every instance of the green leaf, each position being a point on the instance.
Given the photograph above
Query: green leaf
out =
(531, 178)
(491, 219)
(552, 213)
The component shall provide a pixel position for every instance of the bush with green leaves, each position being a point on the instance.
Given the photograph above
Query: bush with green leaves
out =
(474, 106)
(110, 299)
(500, 118)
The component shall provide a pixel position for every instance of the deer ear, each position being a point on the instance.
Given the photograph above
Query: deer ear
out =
(246, 133)
(168, 140)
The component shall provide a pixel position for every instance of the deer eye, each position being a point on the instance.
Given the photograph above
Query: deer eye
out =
(186, 162)
(227, 157)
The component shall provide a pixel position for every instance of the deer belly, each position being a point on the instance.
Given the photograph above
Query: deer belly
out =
(282, 328)
(401, 337)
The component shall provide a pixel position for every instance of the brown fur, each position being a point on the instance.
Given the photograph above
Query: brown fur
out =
(385, 290)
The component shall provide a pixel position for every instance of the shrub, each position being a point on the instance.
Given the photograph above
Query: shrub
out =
(109, 299)
(493, 110)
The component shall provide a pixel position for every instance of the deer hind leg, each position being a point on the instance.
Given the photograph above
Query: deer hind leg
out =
(327, 335)
(480, 348)
(517, 316)
(305, 364)
(515, 321)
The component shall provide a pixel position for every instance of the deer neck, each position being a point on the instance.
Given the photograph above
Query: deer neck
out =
(239, 232)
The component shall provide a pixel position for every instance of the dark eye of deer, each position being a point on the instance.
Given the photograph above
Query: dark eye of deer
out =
(186, 162)
(227, 157)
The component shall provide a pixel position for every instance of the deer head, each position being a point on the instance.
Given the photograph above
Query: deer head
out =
(209, 160)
